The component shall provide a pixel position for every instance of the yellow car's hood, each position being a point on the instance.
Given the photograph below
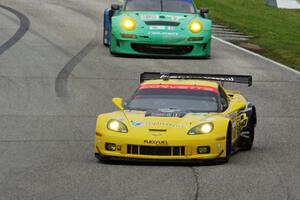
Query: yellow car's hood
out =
(138, 120)
(141, 126)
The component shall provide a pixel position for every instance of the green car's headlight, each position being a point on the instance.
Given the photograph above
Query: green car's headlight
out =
(115, 125)
(128, 24)
(196, 26)
(202, 129)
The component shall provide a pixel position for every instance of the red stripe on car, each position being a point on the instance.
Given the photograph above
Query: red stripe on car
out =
(178, 87)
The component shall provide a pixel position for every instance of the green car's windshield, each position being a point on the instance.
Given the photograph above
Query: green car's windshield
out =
(180, 6)
(182, 99)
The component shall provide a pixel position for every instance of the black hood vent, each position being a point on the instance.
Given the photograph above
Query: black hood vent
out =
(158, 113)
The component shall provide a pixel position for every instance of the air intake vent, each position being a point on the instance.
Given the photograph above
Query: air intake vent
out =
(158, 130)
(162, 49)
(156, 151)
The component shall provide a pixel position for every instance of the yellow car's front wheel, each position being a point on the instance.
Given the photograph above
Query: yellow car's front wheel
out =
(228, 143)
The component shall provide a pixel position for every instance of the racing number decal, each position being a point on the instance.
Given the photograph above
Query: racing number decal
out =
(243, 121)
(239, 122)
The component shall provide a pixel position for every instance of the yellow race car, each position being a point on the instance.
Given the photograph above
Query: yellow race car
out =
(178, 117)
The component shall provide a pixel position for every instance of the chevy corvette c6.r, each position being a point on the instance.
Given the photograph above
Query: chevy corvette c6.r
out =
(157, 28)
(178, 117)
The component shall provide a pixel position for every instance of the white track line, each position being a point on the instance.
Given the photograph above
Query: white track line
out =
(257, 55)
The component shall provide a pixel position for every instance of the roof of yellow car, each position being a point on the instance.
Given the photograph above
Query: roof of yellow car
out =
(183, 82)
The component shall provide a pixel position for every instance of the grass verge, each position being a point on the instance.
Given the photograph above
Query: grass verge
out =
(277, 31)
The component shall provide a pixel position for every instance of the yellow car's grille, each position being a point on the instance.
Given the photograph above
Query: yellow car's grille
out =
(156, 151)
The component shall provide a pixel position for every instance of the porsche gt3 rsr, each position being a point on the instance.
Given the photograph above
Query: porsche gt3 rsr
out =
(178, 117)
(157, 28)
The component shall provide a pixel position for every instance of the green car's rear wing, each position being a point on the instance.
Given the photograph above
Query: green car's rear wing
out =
(244, 79)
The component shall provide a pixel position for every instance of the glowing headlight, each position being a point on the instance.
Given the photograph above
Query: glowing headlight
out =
(115, 125)
(195, 26)
(128, 24)
(202, 129)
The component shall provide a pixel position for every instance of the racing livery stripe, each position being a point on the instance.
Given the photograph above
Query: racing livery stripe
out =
(178, 87)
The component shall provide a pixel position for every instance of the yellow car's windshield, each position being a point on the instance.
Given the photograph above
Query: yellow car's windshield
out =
(193, 100)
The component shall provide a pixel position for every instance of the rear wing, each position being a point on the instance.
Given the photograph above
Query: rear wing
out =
(243, 79)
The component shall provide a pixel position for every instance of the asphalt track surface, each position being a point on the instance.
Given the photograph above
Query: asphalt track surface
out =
(55, 79)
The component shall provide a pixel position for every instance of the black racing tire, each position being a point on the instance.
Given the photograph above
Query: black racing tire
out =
(228, 143)
(247, 143)
(103, 37)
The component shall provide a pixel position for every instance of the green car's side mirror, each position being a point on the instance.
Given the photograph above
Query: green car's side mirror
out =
(115, 7)
(118, 102)
(203, 12)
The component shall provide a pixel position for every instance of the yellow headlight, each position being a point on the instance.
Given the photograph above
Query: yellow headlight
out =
(128, 24)
(195, 26)
(206, 128)
(115, 125)
(202, 129)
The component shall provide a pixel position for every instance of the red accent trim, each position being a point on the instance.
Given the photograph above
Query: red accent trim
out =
(178, 87)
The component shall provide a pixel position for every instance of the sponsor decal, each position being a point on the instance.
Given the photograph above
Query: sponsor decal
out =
(157, 27)
(163, 33)
(149, 17)
(243, 123)
(158, 124)
(178, 87)
(220, 79)
(171, 28)
(154, 33)
(136, 123)
(157, 142)
(170, 33)
(156, 17)
(229, 79)
(199, 114)
(174, 18)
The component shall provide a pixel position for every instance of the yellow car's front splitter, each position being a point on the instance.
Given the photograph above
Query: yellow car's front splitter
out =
(147, 149)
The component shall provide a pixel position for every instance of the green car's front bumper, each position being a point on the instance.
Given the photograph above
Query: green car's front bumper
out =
(161, 46)
(169, 36)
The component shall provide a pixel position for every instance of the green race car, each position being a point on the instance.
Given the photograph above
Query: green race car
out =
(157, 28)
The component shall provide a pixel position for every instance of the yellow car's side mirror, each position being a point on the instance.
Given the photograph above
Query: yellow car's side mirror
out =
(118, 102)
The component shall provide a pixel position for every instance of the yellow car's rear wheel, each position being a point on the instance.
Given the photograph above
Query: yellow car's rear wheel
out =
(246, 143)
